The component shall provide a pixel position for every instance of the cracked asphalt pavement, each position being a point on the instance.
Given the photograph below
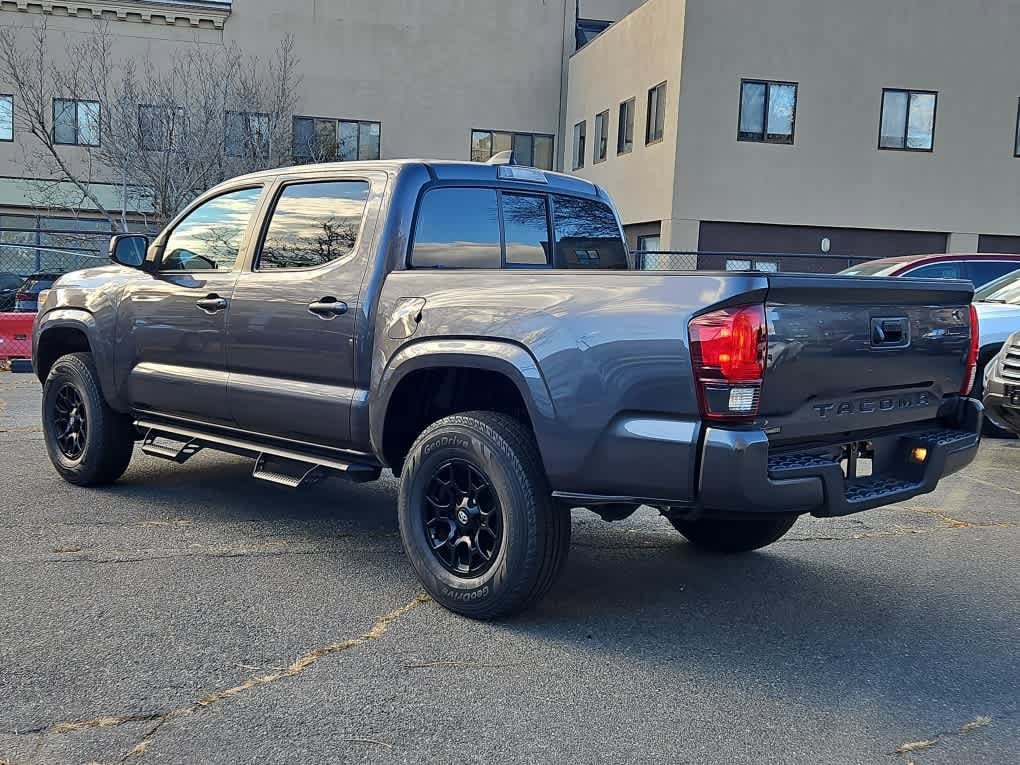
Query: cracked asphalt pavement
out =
(191, 614)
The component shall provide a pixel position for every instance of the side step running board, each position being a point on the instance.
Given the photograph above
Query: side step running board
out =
(180, 455)
(313, 474)
(313, 467)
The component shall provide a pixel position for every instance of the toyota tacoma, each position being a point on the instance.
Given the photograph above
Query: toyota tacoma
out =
(480, 331)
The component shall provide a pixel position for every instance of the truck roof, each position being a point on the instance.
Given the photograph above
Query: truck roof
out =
(442, 170)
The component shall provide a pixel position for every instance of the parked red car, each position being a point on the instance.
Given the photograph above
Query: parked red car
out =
(980, 268)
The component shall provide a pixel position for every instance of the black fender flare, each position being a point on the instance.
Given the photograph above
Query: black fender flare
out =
(507, 358)
(85, 322)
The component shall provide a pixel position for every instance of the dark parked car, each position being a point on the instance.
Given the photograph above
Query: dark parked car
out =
(478, 330)
(1002, 386)
(978, 268)
(27, 297)
(9, 284)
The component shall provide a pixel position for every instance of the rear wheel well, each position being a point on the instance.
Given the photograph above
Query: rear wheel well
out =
(428, 395)
(58, 342)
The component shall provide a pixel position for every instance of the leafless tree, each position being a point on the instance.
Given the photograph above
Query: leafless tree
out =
(162, 133)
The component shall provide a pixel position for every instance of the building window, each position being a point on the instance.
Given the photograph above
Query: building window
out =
(158, 126)
(1016, 138)
(587, 30)
(649, 242)
(656, 117)
(532, 149)
(601, 136)
(6, 118)
(908, 120)
(246, 134)
(319, 139)
(625, 128)
(768, 111)
(580, 130)
(76, 123)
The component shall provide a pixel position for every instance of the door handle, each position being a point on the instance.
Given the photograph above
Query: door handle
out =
(211, 303)
(328, 308)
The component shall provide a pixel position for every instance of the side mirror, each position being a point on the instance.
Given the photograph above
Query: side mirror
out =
(129, 249)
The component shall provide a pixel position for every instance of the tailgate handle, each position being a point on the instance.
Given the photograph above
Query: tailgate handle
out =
(886, 333)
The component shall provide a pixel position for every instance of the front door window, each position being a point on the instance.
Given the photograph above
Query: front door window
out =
(211, 236)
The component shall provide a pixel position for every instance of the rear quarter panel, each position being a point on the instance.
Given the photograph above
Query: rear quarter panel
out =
(603, 343)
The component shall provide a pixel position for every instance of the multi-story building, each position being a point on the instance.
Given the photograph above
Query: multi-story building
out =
(865, 127)
(443, 79)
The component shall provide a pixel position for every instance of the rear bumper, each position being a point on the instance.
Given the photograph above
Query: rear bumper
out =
(1002, 402)
(741, 473)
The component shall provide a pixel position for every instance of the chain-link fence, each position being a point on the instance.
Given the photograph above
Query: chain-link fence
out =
(51, 245)
(675, 260)
(23, 261)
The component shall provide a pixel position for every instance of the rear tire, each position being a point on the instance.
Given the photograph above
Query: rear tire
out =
(477, 518)
(89, 443)
(729, 536)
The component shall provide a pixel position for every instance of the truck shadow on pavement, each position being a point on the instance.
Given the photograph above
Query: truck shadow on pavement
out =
(827, 621)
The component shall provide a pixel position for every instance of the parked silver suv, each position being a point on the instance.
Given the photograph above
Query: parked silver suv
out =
(1002, 386)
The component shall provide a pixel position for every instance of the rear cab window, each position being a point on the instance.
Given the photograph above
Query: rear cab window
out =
(475, 227)
(587, 235)
(457, 228)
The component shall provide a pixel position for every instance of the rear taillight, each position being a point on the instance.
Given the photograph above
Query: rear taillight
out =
(22, 295)
(972, 353)
(728, 350)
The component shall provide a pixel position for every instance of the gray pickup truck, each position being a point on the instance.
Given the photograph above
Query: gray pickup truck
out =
(479, 330)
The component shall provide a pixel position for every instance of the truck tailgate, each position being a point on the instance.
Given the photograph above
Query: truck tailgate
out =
(848, 354)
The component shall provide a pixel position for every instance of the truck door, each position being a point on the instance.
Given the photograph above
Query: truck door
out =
(292, 317)
(171, 352)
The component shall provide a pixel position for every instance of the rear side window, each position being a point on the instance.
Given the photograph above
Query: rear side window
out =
(313, 224)
(587, 235)
(984, 271)
(457, 228)
(938, 271)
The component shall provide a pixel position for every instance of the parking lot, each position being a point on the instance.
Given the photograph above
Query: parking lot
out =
(190, 614)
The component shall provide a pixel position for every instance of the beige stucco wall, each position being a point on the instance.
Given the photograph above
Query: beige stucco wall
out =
(429, 72)
(842, 54)
(637, 53)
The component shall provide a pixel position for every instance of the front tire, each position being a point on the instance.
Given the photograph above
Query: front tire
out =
(476, 516)
(89, 443)
(730, 536)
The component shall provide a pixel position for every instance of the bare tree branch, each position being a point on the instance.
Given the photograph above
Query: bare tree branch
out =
(165, 121)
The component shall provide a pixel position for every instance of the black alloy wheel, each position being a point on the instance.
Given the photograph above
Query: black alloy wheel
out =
(463, 520)
(88, 442)
(70, 422)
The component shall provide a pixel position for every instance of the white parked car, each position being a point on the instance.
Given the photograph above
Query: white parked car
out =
(998, 309)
